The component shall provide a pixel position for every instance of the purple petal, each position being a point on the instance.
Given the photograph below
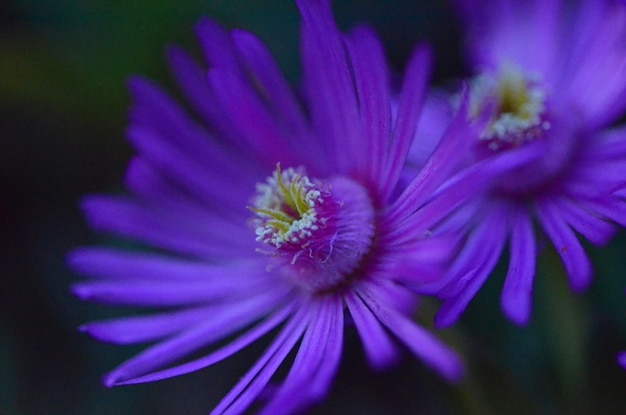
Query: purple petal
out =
(166, 229)
(440, 165)
(372, 86)
(572, 254)
(607, 145)
(225, 321)
(253, 382)
(142, 329)
(191, 78)
(456, 191)
(272, 85)
(165, 124)
(168, 293)
(436, 116)
(592, 227)
(598, 62)
(114, 264)
(324, 376)
(410, 105)
(517, 290)
(146, 182)
(253, 127)
(220, 354)
(511, 31)
(474, 265)
(380, 350)
(621, 359)
(217, 46)
(423, 344)
(422, 262)
(202, 177)
(611, 208)
(155, 111)
(328, 82)
(316, 362)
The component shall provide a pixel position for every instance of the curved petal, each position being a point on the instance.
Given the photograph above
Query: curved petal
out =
(253, 382)
(315, 363)
(166, 229)
(567, 245)
(473, 266)
(140, 329)
(220, 354)
(328, 83)
(410, 104)
(379, 349)
(516, 293)
(372, 87)
(230, 319)
(423, 344)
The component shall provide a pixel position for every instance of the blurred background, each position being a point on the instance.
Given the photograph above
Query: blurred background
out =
(63, 66)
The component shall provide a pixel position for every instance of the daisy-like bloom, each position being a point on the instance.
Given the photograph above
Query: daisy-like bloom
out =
(554, 78)
(267, 213)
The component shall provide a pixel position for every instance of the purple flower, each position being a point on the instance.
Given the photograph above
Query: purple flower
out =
(621, 359)
(266, 212)
(553, 78)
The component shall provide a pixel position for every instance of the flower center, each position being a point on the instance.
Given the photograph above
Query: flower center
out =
(520, 114)
(316, 233)
(286, 208)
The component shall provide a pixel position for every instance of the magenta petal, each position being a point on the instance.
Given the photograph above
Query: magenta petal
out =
(517, 290)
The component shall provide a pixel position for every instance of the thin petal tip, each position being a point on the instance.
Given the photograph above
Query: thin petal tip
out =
(517, 312)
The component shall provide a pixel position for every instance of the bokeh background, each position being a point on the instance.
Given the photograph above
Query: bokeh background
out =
(63, 102)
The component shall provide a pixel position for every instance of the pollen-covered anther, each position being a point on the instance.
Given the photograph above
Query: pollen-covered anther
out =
(286, 208)
(520, 113)
(317, 232)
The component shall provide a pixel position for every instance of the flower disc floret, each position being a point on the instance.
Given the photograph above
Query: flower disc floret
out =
(319, 231)
(286, 208)
(520, 113)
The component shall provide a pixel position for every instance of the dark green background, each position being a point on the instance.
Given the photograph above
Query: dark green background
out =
(63, 102)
